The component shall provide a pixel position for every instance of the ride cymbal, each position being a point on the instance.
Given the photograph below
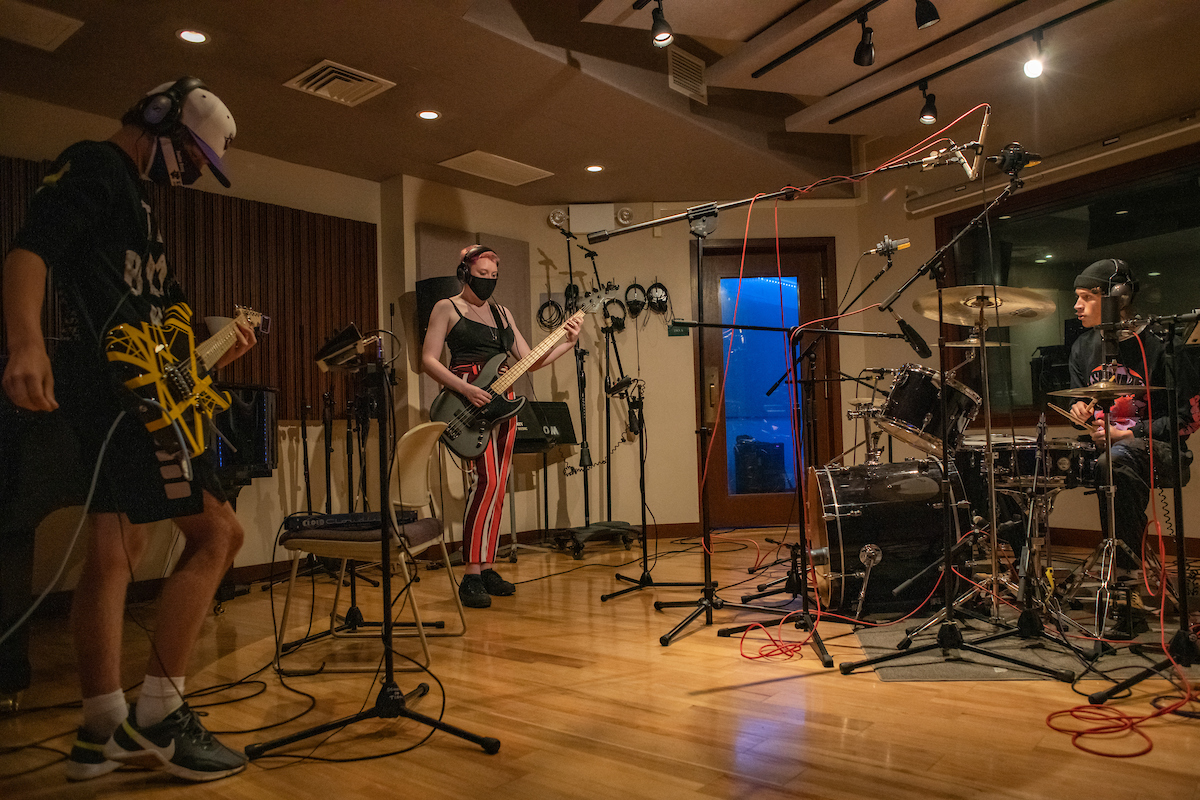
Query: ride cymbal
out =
(1001, 305)
(1104, 390)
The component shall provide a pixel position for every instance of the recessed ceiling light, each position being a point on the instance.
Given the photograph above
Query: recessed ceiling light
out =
(595, 168)
(1153, 274)
(193, 37)
(1049, 255)
(428, 114)
(1039, 261)
(1122, 211)
(1006, 216)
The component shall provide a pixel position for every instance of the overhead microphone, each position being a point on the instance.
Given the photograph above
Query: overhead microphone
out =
(586, 252)
(912, 337)
(620, 386)
(973, 170)
(1013, 158)
(888, 246)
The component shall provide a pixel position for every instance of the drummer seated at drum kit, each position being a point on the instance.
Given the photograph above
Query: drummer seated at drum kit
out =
(1133, 434)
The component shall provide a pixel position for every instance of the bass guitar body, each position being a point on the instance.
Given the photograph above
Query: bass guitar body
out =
(468, 428)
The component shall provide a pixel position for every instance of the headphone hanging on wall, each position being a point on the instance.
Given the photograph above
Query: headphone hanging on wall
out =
(617, 322)
(161, 111)
(474, 252)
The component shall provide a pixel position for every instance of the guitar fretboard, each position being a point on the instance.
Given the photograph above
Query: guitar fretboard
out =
(501, 384)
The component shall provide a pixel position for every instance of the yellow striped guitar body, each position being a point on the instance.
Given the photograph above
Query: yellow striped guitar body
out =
(169, 374)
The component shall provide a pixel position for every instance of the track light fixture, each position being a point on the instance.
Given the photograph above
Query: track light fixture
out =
(660, 31)
(864, 54)
(927, 14)
(1033, 67)
(929, 110)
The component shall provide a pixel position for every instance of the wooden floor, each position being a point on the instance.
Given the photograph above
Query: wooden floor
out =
(588, 704)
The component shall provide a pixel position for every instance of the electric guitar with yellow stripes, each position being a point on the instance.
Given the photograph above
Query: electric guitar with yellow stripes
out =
(169, 373)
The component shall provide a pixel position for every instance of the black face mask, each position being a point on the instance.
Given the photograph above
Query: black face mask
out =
(482, 287)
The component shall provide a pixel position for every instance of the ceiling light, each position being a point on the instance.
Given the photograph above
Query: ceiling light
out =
(193, 37)
(864, 54)
(926, 14)
(428, 114)
(1122, 211)
(1153, 274)
(1033, 67)
(1039, 261)
(595, 168)
(929, 110)
(660, 30)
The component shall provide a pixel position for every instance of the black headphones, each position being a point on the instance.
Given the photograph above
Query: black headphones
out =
(617, 322)
(161, 112)
(1122, 284)
(474, 252)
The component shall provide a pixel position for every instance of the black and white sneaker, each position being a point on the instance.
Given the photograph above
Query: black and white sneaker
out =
(87, 760)
(179, 744)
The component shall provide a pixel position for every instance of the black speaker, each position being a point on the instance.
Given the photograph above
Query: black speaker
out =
(429, 291)
(251, 427)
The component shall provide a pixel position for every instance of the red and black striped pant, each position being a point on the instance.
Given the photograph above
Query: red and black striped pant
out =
(489, 476)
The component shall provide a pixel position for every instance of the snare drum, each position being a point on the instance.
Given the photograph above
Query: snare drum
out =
(913, 411)
(1068, 463)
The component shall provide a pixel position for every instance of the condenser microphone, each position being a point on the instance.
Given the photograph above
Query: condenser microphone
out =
(620, 385)
(888, 246)
(912, 337)
(1013, 158)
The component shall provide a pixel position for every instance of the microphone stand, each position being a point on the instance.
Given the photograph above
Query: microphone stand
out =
(391, 702)
(949, 637)
(1183, 648)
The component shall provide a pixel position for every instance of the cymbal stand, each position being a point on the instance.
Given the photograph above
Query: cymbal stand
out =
(1183, 648)
(949, 636)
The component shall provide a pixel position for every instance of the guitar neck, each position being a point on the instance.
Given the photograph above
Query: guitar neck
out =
(209, 351)
(501, 384)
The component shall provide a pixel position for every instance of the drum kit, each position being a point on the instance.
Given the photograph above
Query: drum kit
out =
(877, 528)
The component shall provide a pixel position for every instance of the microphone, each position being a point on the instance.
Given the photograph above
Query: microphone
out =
(620, 385)
(973, 170)
(587, 253)
(1013, 158)
(912, 337)
(888, 246)
(567, 233)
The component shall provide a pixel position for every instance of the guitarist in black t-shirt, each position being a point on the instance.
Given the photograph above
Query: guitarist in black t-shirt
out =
(91, 233)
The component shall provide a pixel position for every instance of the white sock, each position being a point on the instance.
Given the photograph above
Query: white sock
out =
(103, 713)
(159, 697)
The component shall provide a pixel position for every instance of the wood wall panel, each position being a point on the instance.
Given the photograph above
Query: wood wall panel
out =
(313, 274)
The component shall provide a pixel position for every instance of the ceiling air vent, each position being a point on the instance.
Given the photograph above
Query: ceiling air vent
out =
(495, 168)
(339, 83)
(685, 74)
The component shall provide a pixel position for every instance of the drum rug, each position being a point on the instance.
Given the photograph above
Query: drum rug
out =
(964, 665)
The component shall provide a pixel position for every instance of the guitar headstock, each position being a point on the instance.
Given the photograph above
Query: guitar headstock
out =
(255, 319)
(594, 300)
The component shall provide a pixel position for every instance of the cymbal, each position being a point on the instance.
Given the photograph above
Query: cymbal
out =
(1104, 390)
(1002, 305)
(973, 342)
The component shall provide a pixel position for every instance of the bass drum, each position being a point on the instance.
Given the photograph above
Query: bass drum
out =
(894, 508)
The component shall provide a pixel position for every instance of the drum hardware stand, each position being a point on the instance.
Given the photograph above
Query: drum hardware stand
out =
(1183, 648)
(949, 636)
(391, 702)
(645, 581)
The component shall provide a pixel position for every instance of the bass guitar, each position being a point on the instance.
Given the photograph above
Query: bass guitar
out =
(469, 427)
(168, 373)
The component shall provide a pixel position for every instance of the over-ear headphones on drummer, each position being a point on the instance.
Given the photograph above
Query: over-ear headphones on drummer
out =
(1122, 284)
(474, 252)
(160, 112)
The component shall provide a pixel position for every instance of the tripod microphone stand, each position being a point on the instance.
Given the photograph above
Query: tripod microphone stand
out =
(391, 702)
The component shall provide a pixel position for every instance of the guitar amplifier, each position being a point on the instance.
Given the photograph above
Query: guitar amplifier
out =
(543, 426)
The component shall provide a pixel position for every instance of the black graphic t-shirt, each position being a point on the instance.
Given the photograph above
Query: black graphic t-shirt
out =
(91, 223)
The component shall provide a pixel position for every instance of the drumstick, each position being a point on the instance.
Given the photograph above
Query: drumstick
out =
(1075, 420)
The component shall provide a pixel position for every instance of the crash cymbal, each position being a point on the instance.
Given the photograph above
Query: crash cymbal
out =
(1002, 305)
(1104, 390)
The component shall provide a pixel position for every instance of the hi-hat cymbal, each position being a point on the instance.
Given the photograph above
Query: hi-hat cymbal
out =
(973, 343)
(1002, 305)
(1104, 390)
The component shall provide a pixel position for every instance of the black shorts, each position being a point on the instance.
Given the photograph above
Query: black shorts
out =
(136, 477)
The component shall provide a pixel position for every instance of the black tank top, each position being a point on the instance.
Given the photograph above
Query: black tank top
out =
(472, 342)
